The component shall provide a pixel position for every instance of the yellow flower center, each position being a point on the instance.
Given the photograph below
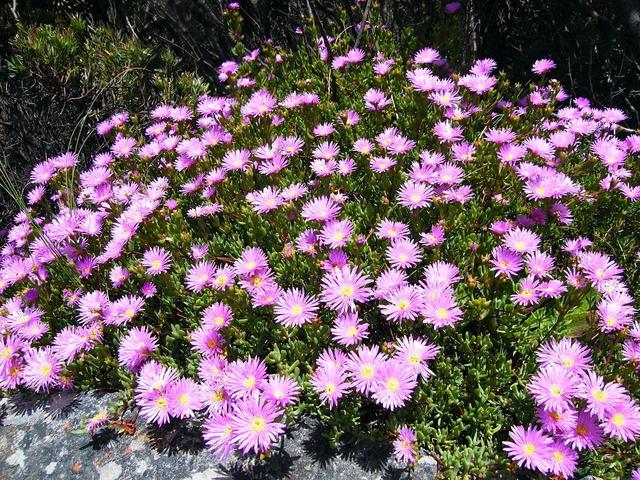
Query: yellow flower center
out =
(161, 403)
(442, 313)
(366, 371)
(183, 399)
(599, 395)
(618, 419)
(568, 362)
(403, 305)
(558, 456)
(526, 293)
(221, 280)
(219, 320)
(258, 424)
(99, 416)
(250, 382)
(129, 313)
(555, 390)
(519, 246)
(338, 236)
(403, 257)
(352, 332)
(347, 291)
(529, 448)
(296, 310)
(415, 197)
(156, 264)
(330, 387)
(581, 430)
(393, 385)
(46, 369)
(5, 352)
(251, 265)
(414, 359)
(217, 396)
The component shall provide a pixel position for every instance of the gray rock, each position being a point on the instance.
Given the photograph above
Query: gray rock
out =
(40, 438)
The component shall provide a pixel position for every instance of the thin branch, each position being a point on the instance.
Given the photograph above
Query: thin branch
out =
(14, 9)
(323, 33)
(363, 23)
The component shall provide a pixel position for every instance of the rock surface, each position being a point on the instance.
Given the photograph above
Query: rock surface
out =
(40, 438)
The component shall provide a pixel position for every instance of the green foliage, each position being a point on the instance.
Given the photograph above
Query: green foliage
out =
(478, 390)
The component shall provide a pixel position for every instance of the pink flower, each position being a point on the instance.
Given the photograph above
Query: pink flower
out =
(414, 195)
(446, 132)
(251, 261)
(375, 99)
(347, 329)
(392, 230)
(600, 398)
(441, 310)
(529, 447)
(404, 446)
(184, 398)
(336, 233)
(254, 424)
(320, 209)
(218, 434)
(527, 293)
(586, 433)
(42, 369)
(521, 240)
(553, 387)
(343, 288)
(622, 420)
(562, 460)
(566, 353)
(295, 308)
(403, 303)
(244, 378)
(415, 353)
(280, 390)
(330, 383)
(404, 253)
(395, 385)
(207, 340)
(364, 366)
(542, 66)
(260, 104)
(505, 262)
(156, 260)
(135, 348)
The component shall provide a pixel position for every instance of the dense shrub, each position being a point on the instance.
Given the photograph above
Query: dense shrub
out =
(402, 250)
(59, 79)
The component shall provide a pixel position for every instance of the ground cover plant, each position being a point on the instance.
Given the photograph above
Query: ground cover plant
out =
(407, 251)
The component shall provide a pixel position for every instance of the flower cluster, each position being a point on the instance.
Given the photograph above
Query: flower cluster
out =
(280, 250)
(577, 410)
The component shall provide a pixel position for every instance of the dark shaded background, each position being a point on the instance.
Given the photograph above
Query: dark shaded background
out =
(596, 44)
